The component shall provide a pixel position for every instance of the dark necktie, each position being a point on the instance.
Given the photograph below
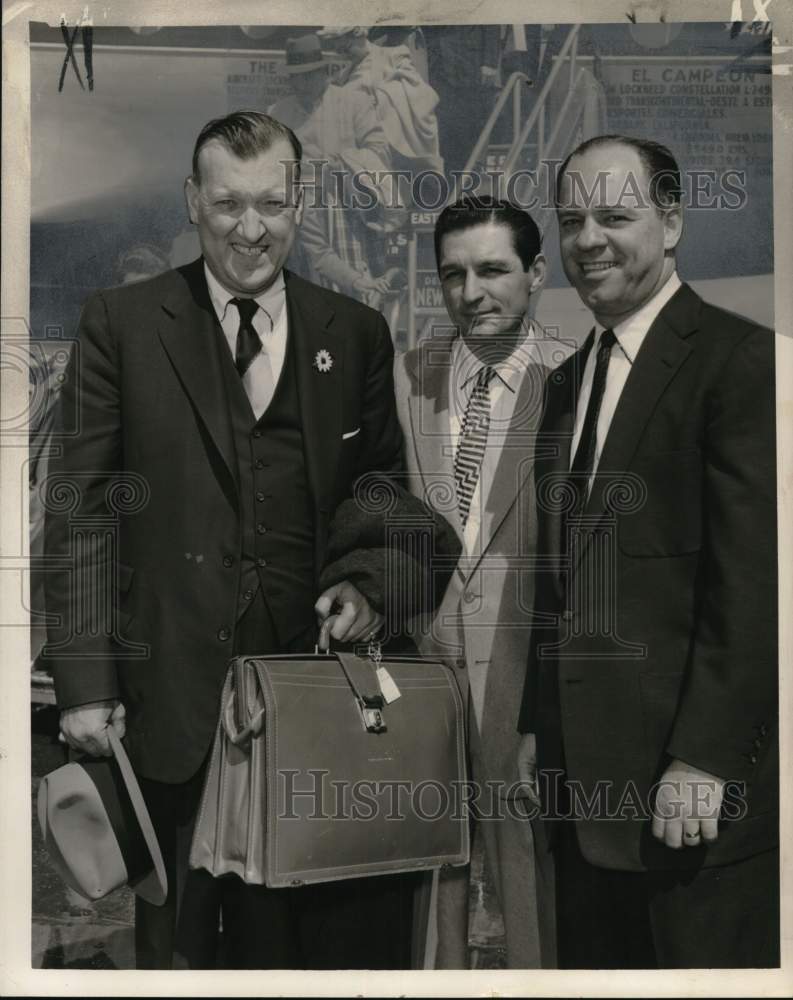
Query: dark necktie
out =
(584, 461)
(248, 343)
(473, 439)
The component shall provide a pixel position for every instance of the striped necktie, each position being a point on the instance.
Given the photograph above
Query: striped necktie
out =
(473, 439)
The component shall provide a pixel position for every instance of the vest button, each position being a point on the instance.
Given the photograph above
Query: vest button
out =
(261, 528)
(261, 561)
(224, 634)
(259, 463)
(248, 595)
(228, 561)
(257, 434)
(260, 496)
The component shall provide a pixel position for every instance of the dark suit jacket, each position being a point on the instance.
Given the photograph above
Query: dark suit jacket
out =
(681, 555)
(161, 549)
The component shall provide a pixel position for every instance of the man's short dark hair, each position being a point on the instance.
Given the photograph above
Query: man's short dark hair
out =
(476, 210)
(246, 134)
(658, 160)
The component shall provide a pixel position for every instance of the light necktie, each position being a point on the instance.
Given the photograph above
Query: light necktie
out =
(584, 461)
(473, 439)
(248, 343)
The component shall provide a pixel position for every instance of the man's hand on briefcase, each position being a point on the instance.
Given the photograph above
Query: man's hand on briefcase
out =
(345, 614)
(84, 728)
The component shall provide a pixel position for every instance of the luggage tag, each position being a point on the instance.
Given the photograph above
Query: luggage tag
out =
(388, 687)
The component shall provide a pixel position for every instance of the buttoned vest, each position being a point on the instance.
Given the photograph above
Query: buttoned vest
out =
(276, 511)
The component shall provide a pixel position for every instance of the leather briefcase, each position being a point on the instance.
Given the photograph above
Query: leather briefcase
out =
(325, 767)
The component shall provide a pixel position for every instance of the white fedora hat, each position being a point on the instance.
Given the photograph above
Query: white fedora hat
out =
(97, 829)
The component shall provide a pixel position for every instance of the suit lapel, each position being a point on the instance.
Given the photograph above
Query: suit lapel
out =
(321, 393)
(552, 453)
(188, 333)
(516, 460)
(662, 353)
(429, 408)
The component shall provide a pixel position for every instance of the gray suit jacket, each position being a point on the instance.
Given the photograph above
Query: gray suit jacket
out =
(483, 621)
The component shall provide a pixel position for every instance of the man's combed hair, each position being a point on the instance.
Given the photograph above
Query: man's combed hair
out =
(659, 162)
(474, 210)
(246, 134)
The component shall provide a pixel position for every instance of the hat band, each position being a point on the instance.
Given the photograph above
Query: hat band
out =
(109, 782)
(301, 58)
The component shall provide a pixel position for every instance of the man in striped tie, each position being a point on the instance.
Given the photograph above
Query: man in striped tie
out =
(469, 403)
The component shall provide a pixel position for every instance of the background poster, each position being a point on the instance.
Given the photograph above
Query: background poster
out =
(109, 163)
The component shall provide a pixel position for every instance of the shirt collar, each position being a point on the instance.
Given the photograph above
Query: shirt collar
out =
(509, 370)
(630, 333)
(271, 300)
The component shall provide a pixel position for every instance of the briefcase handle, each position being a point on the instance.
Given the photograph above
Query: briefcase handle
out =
(362, 677)
(242, 703)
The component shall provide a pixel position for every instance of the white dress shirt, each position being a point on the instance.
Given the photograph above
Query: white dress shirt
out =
(504, 386)
(270, 323)
(630, 336)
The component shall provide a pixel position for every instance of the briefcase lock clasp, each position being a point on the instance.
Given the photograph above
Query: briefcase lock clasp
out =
(372, 718)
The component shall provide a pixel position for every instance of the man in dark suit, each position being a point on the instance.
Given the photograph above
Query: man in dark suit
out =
(226, 409)
(651, 688)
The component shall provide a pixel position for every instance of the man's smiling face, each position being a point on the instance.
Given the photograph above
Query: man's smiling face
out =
(615, 243)
(247, 213)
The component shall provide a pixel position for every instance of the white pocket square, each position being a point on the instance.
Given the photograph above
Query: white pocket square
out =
(351, 434)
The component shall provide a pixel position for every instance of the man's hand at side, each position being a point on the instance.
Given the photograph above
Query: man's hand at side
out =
(355, 621)
(84, 728)
(687, 805)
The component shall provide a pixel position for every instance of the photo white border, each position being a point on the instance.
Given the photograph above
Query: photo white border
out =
(16, 976)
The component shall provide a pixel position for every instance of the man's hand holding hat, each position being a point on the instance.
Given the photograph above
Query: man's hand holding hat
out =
(84, 728)
(95, 824)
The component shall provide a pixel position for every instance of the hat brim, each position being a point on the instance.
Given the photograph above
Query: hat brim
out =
(297, 68)
(336, 32)
(153, 887)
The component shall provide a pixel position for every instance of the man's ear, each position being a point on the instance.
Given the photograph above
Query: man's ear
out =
(536, 273)
(191, 195)
(673, 226)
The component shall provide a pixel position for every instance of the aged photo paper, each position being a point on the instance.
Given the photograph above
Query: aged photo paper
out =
(101, 106)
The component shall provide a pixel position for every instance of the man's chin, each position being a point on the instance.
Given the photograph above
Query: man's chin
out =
(593, 300)
(490, 327)
(253, 282)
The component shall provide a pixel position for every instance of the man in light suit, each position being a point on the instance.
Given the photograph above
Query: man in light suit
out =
(478, 475)
(225, 410)
(652, 681)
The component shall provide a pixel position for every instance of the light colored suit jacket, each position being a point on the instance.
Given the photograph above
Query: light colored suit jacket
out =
(482, 624)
